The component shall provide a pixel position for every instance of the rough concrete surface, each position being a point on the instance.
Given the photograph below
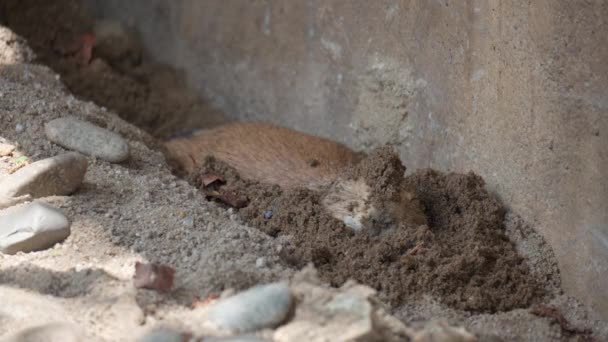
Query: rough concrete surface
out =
(514, 91)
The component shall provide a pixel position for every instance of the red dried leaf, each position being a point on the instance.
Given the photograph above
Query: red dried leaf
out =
(153, 277)
(210, 178)
(197, 303)
(87, 41)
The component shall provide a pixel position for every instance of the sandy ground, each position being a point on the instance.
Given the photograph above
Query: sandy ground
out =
(123, 213)
(139, 211)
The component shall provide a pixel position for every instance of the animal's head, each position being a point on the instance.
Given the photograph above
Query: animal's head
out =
(351, 202)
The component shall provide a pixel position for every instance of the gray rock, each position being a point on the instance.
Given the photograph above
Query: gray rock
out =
(166, 335)
(30, 227)
(59, 175)
(87, 138)
(260, 307)
(52, 332)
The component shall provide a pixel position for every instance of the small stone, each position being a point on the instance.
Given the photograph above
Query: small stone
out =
(30, 227)
(56, 176)
(19, 128)
(52, 332)
(260, 262)
(263, 306)
(166, 335)
(189, 221)
(268, 214)
(6, 149)
(87, 138)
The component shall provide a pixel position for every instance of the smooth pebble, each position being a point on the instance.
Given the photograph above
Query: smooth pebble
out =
(92, 140)
(56, 176)
(30, 227)
(262, 306)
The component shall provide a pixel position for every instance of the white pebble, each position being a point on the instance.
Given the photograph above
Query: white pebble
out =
(260, 262)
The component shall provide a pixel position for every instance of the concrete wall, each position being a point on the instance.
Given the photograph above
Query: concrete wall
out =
(516, 91)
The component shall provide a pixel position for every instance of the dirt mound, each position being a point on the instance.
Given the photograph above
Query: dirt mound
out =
(462, 257)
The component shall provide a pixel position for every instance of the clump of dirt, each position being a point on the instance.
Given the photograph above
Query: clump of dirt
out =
(462, 256)
(117, 75)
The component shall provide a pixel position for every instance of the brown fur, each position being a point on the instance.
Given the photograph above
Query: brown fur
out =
(266, 153)
(277, 155)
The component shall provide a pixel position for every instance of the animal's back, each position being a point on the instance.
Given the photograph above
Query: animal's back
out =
(266, 153)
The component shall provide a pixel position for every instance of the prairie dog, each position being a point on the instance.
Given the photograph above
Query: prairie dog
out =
(290, 159)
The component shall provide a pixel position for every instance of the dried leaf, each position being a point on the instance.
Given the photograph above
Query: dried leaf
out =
(210, 178)
(153, 277)
(87, 41)
(228, 197)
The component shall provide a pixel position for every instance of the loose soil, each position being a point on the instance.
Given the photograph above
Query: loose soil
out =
(462, 257)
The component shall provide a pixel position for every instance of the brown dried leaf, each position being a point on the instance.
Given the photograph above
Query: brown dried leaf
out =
(210, 178)
(229, 197)
(233, 199)
(153, 277)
